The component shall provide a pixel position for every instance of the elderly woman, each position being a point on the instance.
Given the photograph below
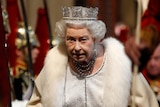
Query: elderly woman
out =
(84, 69)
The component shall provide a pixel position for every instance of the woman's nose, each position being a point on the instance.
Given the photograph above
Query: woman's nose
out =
(77, 46)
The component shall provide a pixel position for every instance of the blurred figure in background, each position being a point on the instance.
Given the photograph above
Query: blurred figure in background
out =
(152, 72)
(149, 39)
(21, 75)
(150, 20)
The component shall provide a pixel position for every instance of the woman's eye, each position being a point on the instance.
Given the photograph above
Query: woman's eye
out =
(83, 39)
(70, 39)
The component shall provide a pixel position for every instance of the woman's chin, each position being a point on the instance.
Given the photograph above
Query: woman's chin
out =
(80, 60)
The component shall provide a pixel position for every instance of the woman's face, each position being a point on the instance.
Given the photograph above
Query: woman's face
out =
(79, 44)
(153, 66)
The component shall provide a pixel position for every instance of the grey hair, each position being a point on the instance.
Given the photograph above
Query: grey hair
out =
(97, 28)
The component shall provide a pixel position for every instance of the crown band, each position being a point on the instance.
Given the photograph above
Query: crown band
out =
(79, 13)
(88, 19)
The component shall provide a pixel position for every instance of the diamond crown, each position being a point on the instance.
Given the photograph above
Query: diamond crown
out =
(79, 13)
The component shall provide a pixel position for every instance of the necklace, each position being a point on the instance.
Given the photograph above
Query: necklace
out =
(85, 68)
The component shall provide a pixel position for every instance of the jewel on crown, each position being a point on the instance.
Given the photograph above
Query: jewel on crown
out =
(79, 13)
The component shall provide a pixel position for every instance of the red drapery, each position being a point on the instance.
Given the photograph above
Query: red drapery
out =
(42, 35)
(4, 71)
(14, 18)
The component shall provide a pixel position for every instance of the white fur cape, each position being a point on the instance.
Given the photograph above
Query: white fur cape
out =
(49, 88)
